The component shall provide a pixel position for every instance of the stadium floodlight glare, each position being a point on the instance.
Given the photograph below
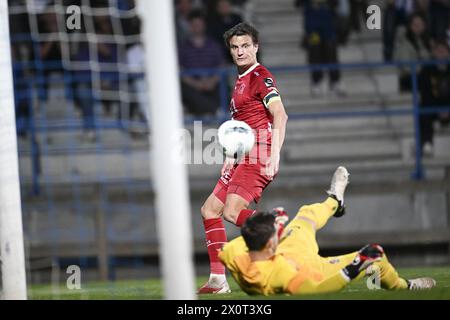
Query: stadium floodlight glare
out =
(11, 234)
(170, 177)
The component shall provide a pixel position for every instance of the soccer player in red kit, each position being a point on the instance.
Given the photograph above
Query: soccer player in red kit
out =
(257, 102)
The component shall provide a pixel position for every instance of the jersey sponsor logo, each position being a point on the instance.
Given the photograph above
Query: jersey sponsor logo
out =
(269, 82)
(334, 261)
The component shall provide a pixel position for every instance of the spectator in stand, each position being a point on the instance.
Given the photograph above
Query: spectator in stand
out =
(395, 14)
(19, 27)
(343, 22)
(439, 18)
(357, 10)
(182, 10)
(50, 52)
(434, 87)
(22, 95)
(135, 56)
(321, 43)
(82, 88)
(222, 19)
(413, 45)
(200, 92)
(422, 7)
(108, 58)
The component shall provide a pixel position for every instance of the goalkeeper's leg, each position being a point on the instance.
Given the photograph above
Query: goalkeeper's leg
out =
(386, 274)
(299, 236)
(389, 278)
(318, 214)
(381, 271)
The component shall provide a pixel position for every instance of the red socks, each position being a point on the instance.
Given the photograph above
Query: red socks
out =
(244, 215)
(216, 237)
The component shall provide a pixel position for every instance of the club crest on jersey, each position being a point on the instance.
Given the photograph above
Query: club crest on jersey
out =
(241, 88)
(268, 82)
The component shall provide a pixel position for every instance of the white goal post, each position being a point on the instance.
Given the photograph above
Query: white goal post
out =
(170, 177)
(11, 234)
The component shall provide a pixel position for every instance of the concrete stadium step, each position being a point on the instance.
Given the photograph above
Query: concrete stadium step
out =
(286, 74)
(349, 124)
(388, 170)
(368, 170)
(291, 18)
(356, 102)
(303, 171)
(292, 54)
(263, 8)
(106, 139)
(292, 38)
(305, 157)
(373, 51)
(342, 149)
(308, 136)
(113, 165)
(291, 30)
(354, 83)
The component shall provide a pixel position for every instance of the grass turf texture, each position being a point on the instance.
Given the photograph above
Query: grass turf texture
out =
(152, 289)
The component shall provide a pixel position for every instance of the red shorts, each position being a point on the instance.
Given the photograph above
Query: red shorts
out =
(246, 179)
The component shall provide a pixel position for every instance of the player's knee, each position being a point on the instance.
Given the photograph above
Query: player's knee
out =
(230, 214)
(209, 213)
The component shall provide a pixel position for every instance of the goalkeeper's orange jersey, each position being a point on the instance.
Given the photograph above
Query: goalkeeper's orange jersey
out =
(280, 274)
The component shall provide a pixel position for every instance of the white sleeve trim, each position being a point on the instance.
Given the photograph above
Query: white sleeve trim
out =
(346, 278)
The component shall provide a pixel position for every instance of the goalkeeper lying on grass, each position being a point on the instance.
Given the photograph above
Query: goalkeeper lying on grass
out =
(268, 260)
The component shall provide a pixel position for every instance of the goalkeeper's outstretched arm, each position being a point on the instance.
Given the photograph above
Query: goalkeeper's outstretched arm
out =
(365, 257)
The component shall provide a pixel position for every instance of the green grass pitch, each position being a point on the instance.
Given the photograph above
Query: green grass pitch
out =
(152, 289)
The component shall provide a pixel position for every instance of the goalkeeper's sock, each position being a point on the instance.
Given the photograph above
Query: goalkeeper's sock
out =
(216, 237)
(243, 216)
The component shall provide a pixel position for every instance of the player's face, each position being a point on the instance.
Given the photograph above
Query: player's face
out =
(243, 51)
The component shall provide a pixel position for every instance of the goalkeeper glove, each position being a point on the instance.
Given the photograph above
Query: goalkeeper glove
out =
(365, 257)
(281, 218)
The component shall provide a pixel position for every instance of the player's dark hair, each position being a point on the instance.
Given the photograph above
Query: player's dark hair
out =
(257, 230)
(241, 29)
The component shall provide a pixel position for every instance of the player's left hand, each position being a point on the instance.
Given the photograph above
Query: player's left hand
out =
(273, 165)
(366, 256)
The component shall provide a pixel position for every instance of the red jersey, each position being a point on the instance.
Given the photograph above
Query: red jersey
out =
(254, 90)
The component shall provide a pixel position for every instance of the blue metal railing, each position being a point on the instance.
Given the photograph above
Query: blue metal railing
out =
(224, 73)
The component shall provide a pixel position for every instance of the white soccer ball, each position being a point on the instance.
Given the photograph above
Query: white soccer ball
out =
(236, 138)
